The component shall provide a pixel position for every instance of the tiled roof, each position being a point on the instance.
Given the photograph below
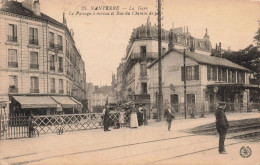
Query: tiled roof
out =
(205, 59)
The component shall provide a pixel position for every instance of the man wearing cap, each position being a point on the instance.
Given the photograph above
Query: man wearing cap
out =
(222, 126)
(169, 114)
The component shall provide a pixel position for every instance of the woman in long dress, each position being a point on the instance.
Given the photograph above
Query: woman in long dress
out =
(133, 118)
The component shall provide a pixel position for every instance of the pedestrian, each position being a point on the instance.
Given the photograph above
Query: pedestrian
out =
(121, 118)
(31, 125)
(106, 119)
(133, 117)
(169, 114)
(222, 126)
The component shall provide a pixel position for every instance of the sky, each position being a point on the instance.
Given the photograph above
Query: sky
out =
(102, 39)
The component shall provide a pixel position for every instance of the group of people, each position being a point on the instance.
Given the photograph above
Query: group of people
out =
(137, 116)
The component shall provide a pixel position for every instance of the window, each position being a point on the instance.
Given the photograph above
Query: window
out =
(61, 91)
(33, 36)
(51, 39)
(222, 74)
(144, 88)
(60, 47)
(143, 71)
(34, 60)
(52, 85)
(34, 85)
(163, 50)
(240, 77)
(60, 64)
(143, 52)
(13, 84)
(12, 33)
(190, 99)
(52, 63)
(12, 58)
(192, 73)
(212, 73)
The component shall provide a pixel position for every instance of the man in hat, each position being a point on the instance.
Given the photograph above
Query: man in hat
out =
(106, 119)
(222, 126)
(169, 114)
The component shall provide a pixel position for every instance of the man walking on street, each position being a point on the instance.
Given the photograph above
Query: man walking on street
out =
(169, 116)
(222, 126)
(106, 119)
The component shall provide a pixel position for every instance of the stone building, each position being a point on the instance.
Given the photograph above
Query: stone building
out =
(142, 50)
(208, 80)
(38, 57)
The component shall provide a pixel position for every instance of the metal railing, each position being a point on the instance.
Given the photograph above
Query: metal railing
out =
(34, 90)
(34, 66)
(13, 90)
(13, 64)
(33, 41)
(12, 38)
(75, 122)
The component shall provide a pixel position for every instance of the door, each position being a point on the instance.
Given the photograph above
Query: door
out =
(175, 102)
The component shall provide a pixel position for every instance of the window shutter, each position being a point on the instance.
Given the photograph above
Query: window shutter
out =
(196, 69)
(182, 73)
(31, 34)
(15, 31)
(208, 73)
(35, 33)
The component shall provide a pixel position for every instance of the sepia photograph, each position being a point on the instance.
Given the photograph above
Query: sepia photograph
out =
(129, 82)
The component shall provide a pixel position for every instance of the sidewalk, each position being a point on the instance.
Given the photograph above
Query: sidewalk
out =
(134, 146)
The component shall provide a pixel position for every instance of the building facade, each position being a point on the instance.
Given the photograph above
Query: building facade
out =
(208, 80)
(142, 50)
(38, 56)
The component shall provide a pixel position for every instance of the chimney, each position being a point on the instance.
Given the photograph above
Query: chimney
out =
(170, 45)
(36, 8)
(64, 20)
(72, 33)
(28, 4)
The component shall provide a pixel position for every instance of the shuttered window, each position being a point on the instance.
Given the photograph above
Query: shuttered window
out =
(192, 73)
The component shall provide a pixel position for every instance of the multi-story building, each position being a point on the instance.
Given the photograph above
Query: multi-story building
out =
(38, 58)
(100, 97)
(208, 80)
(142, 50)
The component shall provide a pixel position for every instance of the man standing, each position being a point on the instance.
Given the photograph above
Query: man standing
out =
(106, 119)
(169, 116)
(222, 126)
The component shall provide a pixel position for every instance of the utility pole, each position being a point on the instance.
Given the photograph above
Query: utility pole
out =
(159, 61)
(184, 80)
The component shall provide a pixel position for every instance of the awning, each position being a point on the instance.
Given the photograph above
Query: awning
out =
(79, 103)
(36, 102)
(65, 101)
(245, 86)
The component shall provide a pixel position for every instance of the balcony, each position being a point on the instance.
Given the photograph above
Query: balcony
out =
(12, 38)
(61, 70)
(53, 91)
(52, 68)
(34, 90)
(51, 45)
(13, 64)
(34, 66)
(13, 89)
(33, 41)
(61, 91)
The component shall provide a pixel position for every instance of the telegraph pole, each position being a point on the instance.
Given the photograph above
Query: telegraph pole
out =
(184, 80)
(159, 61)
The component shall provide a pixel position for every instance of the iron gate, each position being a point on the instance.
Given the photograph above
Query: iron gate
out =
(13, 126)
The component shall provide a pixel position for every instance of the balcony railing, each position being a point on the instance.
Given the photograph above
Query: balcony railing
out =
(12, 38)
(13, 64)
(34, 66)
(60, 69)
(60, 47)
(33, 41)
(51, 44)
(53, 91)
(34, 90)
(52, 68)
(13, 90)
(61, 91)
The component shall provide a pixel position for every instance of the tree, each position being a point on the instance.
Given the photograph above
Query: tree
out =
(257, 36)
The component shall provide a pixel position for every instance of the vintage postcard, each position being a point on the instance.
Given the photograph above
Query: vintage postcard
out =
(135, 82)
